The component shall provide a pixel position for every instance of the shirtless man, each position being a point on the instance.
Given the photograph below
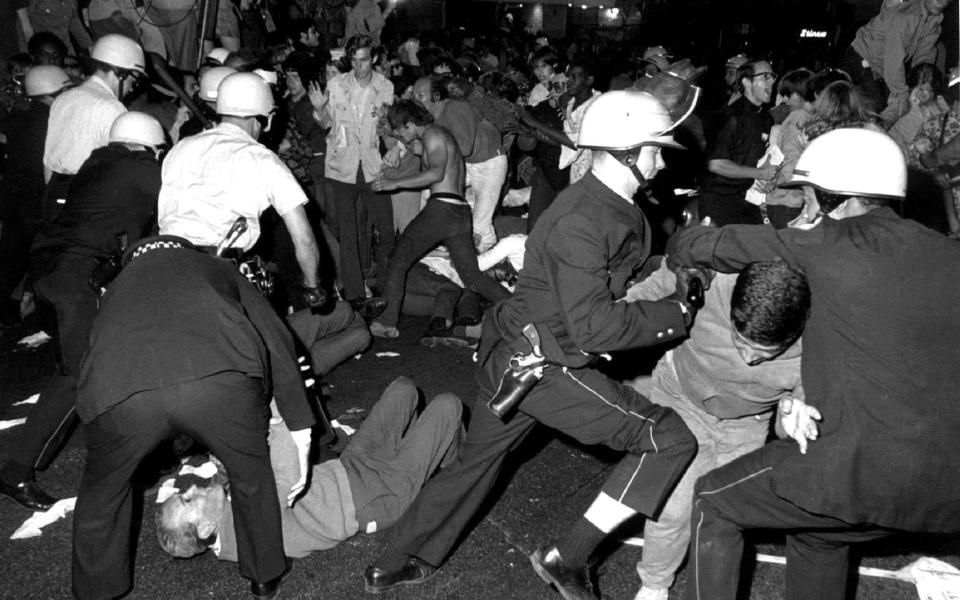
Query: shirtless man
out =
(445, 219)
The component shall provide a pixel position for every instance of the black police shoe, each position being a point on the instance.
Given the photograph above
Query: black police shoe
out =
(270, 590)
(369, 308)
(413, 572)
(573, 583)
(27, 494)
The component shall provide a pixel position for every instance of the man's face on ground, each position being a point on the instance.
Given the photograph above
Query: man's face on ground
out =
(759, 86)
(196, 506)
(362, 63)
(751, 352)
(935, 7)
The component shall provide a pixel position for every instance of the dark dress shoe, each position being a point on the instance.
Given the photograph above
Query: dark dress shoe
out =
(270, 590)
(573, 583)
(369, 308)
(266, 591)
(414, 571)
(27, 494)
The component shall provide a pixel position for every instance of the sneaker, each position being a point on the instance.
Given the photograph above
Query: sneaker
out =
(647, 593)
(571, 581)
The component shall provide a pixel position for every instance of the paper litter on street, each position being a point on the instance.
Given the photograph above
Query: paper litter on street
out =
(31, 400)
(387, 354)
(12, 423)
(344, 428)
(40, 519)
(35, 340)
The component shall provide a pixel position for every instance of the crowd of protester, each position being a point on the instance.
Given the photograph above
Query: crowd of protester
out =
(357, 172)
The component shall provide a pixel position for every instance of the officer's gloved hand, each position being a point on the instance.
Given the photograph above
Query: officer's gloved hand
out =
(314, 297)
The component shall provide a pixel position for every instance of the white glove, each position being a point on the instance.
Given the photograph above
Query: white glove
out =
(799, 421)
(302, 438)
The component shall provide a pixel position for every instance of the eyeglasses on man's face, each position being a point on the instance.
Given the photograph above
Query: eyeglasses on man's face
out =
(766, 76)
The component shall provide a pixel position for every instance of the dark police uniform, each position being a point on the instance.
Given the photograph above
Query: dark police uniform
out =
(114, 193)
(182, 344)
(581, 253)
(21, 191)
(880, 363)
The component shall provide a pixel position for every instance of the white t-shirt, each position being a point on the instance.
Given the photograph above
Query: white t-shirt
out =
(212, 178)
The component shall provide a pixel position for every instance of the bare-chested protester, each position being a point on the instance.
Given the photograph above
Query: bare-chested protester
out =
(445, 219)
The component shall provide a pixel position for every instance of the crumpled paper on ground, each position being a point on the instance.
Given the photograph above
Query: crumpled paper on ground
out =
(40, 519)
(344, 428)
(35, 340)
(31, 400)
(12, 423)
(935, 579)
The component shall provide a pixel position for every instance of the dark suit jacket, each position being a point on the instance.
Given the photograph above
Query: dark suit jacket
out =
(880, 361)
(176, 315)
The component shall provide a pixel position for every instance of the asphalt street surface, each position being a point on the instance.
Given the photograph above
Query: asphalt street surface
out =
(551, 483)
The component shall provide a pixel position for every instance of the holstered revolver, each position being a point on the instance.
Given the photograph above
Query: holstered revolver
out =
(523, 372)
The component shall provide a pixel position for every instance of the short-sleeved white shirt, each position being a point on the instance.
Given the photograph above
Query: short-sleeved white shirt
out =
(212, 178)
(80, 121)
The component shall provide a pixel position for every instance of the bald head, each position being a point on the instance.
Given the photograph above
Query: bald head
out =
(423, 93)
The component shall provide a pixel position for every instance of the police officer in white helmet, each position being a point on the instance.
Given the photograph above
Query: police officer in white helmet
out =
(580, 255)
(880, 360)
(114, 194)
(80, 119)
(213, 178)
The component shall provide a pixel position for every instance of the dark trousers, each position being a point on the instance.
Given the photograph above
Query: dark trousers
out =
(740, 496)
(438, 222)
(15, 240)
(229, 413)
(352, 204)
(52, 418)
(581, 403)
(54, 196)
(542, 196)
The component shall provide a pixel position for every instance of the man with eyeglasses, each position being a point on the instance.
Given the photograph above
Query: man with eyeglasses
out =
(214, 177)
(735, 152)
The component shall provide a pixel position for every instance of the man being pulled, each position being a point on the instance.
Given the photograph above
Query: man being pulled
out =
(579, 257)
(212, 178)
(879, 362)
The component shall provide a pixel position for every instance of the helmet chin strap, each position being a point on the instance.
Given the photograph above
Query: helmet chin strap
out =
(642, 182)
